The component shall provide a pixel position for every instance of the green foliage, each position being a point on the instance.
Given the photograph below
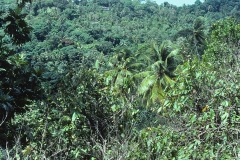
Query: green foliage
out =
(198, 32)
(75, 119)
(19, 82)
(105, 47)
(156, 143)
(121, 71)
(224, 39)
(14, 69)
(161, 73)
(82, 82)
(196, 36)
(204, 101)
(41, 29)
(81, 37)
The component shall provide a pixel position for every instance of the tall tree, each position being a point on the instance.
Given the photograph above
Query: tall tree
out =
(123, 67)
(198, 34)
(19, 83)
(161, 73)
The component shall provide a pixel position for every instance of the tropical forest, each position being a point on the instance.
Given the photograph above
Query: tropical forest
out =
(119, 80)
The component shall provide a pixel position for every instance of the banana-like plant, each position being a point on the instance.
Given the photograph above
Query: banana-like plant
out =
(160, 74)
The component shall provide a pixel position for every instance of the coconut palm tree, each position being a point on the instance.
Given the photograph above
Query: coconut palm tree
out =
(123, 67)
(161, 73)
(198, 33)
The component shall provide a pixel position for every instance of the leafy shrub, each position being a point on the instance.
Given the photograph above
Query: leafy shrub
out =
(20, 83)
(82, 37)
(105, 47)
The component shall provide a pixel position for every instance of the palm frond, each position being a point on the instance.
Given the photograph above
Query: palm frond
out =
(119, 80)
(198, 24)
(143, 74)
(147, 83)
(173, 53)
(144, 58)
(167, 81)
(155, 48)
(112, 72)
(147, 98)
(138, 65)
(157, 93)
(125, 73)
(159, 73)
(200, 37)
(173, 60)
(198, 31)
(157, 66)
(164, 50)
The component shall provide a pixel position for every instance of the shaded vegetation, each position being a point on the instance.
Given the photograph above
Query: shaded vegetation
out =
(119, 79)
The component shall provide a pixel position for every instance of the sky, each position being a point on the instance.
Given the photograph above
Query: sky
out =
(177, 2)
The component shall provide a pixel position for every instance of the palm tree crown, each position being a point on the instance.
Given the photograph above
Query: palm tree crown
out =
(160, 74)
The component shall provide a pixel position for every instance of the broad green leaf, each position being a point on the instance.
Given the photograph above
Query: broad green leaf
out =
(114, 109)
(193, 118)
(75, 116)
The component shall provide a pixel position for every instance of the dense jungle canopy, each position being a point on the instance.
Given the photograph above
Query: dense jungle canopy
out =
(119, 79)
